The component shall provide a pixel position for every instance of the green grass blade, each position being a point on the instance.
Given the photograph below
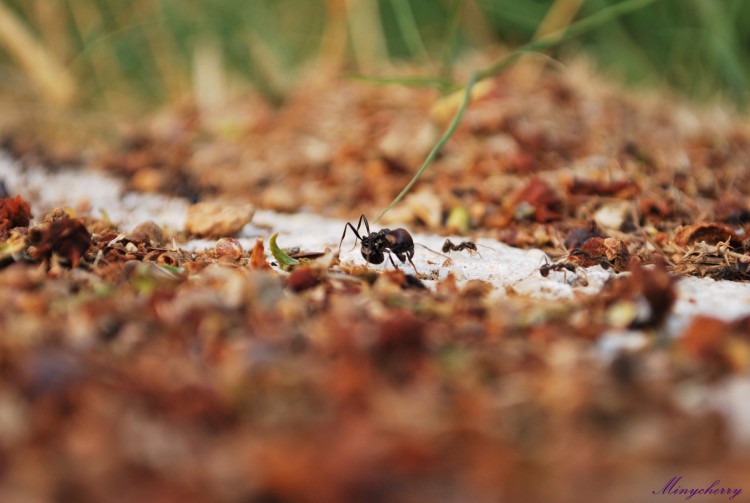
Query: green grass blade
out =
(449, 51)
(285, 262)
(409, 29)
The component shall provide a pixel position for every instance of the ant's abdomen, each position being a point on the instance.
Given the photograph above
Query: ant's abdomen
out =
(399, 239)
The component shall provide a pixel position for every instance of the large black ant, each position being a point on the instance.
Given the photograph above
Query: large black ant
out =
(449, 246)
(376, 244)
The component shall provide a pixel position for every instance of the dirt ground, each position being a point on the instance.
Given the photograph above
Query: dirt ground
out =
(134, 370)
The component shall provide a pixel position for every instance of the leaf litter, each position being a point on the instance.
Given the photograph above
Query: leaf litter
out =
(140, 363)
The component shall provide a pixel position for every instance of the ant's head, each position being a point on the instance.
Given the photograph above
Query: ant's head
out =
(370, 254)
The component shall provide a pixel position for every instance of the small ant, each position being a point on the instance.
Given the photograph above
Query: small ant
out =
(561, 266)
(448, 246)
(375, 244)
(545, 269)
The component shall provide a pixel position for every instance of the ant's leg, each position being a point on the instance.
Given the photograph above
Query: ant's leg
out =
(449, 246)
(362, 218)
(468, 245)
(367, 224)
(356, 233)
(404, 256)
(415, 267)
(570, 268)
(432, 251)
(390, 256)
(583, 279)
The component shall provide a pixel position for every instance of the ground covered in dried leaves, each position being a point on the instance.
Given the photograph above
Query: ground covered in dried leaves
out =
(134, 370)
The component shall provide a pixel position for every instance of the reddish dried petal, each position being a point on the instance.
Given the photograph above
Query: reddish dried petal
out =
(14, 212)
(545, 204)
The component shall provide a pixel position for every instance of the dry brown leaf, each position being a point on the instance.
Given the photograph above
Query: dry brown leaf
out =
(711, 233)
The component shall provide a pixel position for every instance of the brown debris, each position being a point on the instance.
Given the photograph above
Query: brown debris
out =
(149, 233)
(717, 261)
(536, 201)
(623, 189)
(302, 278)
(155, 161)
(400, 341)
(709, 233)
(732, 211)
(653, 209)
(65, 237)
(258, 256)
(648, 292)
(657, 287)
(607, 252)
(576, 237)
(153, 374)
(721, 346)
(14, 212)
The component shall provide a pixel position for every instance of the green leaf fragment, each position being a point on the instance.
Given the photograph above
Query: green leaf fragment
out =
(285, 261)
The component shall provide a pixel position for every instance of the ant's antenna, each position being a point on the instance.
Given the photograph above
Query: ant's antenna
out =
(433, 251)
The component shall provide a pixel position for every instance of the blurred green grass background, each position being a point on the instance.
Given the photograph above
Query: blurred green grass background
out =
(129, 56)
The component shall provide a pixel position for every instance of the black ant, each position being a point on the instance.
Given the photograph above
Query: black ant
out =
(561, 266)
(449, 246)
(376, 244)
(545, 269)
